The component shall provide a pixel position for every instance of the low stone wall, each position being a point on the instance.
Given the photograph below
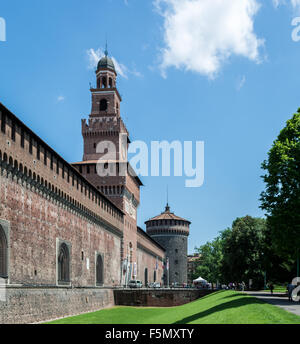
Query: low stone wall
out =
(157, 297)
(36, 304)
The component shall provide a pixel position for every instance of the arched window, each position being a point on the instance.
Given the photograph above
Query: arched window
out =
(110, 83)
(103, 105)
(154, 276)
(146, 277)
(104, 84)
(64, 264)
(99, 270)
(98, 83)
(3, 254)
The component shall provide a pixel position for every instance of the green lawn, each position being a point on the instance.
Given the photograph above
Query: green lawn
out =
(224, 307)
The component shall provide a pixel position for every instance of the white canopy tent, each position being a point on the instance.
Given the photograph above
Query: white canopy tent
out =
(200, 280)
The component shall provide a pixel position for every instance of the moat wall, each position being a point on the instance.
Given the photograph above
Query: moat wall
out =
(29, 305)
(157, 297)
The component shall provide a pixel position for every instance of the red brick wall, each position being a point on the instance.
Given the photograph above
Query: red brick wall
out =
(148, 254)
(35, 225)
(29, 305)
(158, 297)
(41, 215)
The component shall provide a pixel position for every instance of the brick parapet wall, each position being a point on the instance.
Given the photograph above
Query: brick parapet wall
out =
(66, 181)
(36, 224)
(29, 305)
(157, 297)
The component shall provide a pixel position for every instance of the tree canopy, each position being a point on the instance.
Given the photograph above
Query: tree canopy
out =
(243, 250)
(236, 255)
(281, 198)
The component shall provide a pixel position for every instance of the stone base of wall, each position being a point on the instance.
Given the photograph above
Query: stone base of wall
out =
(157, 297)
(36, 304)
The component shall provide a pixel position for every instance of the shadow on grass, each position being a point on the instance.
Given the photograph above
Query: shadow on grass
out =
(206, 296)
(237, 293)
(267, 295)
(227, 305)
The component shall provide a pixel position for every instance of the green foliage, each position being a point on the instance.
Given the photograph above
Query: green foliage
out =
(281, 198)
(226, 307)
(243, 251)
(237, 254)
(211, 258)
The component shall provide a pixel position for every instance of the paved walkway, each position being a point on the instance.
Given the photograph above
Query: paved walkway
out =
(277, 299)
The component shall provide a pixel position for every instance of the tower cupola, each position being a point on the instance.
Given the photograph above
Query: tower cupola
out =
(106, 63)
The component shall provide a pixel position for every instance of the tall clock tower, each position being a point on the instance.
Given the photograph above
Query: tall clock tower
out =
(105, 130)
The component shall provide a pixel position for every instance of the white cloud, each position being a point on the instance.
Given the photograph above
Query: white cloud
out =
(95, 55)
(294, 4)
(120, 68)
(277, 3)
(241, 82)
(60, 99)
(200, 35)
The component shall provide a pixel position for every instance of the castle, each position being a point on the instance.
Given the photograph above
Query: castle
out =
(68, 236)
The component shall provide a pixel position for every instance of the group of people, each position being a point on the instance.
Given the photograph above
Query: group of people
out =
(290, 287)
(237, 286)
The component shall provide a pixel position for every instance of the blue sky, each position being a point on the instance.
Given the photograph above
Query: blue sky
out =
(225, 72)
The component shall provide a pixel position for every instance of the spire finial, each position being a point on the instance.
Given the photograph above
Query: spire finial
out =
(106, 51)
(167, 194)
(167, 206)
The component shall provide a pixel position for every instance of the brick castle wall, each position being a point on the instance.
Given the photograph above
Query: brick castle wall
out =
(29, 305)
(37, 223)
(44, 201)
(158, 297)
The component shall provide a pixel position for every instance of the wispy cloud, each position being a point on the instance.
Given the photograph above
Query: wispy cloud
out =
(200, 35)
(294, 4)
(240, 82)
(95, 55)
(60, 99)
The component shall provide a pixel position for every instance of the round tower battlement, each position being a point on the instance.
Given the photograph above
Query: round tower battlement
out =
(171, 232)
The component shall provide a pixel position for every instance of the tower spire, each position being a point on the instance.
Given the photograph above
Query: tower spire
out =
(106, 51)
(167, 206)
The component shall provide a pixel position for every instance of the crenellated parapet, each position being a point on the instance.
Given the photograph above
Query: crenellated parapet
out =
(26, 157)
(171, 232)
(103, 125)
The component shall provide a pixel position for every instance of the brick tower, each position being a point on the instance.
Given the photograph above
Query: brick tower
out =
(171, 232)
(104, 130)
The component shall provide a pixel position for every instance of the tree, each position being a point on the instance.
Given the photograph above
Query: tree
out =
(281, 198)
(243, 251)
(211, 258)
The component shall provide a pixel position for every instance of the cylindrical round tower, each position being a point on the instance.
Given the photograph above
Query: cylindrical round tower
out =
(171, 232)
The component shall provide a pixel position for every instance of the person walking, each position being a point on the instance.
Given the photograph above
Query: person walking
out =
(271, 287)
(243, 286)
(290, 288)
